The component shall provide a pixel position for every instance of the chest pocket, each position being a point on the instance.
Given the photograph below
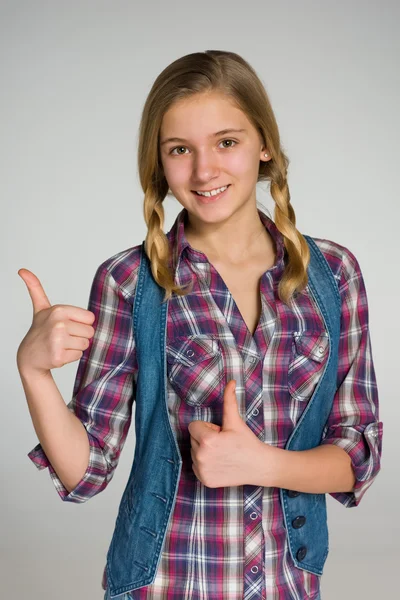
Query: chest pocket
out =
(310, 350)
(195, 369)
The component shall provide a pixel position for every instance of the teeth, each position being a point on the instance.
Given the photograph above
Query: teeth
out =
(213, 192)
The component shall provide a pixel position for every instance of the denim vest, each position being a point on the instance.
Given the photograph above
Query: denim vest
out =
(149, 497)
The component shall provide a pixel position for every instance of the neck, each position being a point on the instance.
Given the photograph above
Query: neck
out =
(231, 242)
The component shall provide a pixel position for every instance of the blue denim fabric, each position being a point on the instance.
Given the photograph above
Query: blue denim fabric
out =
(148, 500)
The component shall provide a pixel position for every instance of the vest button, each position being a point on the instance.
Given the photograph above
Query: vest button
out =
(298, 522)
(301, 553)
(293, 493)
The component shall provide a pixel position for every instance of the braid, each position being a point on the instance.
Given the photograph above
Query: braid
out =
(157, 246)
(295, 277)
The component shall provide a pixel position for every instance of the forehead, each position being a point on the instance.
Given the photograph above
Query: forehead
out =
(201, 115)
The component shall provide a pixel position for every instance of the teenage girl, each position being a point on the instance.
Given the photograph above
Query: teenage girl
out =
(246, 346)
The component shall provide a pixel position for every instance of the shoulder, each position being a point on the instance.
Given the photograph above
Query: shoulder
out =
(342, 261)
(121, 271)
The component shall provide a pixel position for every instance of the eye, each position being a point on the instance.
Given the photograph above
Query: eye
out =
(229, 141)
(180, 147)
(176, 148)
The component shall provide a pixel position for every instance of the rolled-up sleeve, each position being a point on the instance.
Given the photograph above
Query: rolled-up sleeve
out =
(353, 423)
(104, 389)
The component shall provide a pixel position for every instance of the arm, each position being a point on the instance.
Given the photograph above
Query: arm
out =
(317, 471)
(103, 394)
(353, 424)
(62, 435)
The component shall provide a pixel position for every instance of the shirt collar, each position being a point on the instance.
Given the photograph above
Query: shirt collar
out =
(178, 241)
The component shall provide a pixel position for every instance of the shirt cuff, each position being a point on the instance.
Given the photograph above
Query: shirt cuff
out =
(94, 480)
(364, 446)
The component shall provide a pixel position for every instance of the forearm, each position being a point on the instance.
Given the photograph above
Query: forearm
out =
(61, 434)
(324, 469)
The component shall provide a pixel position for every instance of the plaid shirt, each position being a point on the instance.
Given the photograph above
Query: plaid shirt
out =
(205, 547)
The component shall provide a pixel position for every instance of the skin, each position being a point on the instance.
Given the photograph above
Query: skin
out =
(227, 455)
(228, 231)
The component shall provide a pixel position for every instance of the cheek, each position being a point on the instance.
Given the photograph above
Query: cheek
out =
(243, 165)
(177, 174)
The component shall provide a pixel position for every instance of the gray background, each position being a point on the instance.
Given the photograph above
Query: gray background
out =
(74, 77)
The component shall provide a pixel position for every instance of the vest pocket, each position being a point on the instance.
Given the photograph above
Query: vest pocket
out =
(195, 369)
(309, 354)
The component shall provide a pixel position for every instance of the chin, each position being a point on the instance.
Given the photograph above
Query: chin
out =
(212, 214)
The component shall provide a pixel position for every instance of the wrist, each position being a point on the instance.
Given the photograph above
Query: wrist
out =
(267, 459)
(30, 373)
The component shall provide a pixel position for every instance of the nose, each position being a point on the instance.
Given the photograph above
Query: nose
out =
(205, 167)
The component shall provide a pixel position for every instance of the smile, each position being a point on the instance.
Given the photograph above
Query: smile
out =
(213, 196)
(213, 192)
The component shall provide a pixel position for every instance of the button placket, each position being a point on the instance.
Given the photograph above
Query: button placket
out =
(252, 495)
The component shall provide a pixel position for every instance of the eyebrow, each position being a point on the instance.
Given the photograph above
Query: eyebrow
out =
(222, 132)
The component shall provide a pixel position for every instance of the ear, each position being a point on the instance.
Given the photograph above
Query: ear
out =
(265, 155)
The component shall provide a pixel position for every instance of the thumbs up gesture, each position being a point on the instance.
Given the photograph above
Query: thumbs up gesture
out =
(228, 455)
(58, 335)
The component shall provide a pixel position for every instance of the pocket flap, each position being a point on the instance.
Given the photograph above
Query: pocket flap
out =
(314, 344)
(191, 351)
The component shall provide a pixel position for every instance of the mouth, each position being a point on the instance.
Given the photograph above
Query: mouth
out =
(210, 199)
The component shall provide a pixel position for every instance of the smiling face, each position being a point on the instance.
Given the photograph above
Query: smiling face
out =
(198, 160)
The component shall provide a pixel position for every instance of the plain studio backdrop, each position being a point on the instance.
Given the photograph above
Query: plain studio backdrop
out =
(74, 78)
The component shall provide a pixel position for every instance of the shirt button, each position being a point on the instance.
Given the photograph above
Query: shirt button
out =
(252, 359)
(253, 515)
(321, 349)
(255, 412)
(189, 352)
(254, 569)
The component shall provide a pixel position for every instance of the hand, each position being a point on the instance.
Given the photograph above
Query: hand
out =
(228, 455)
(58, 334)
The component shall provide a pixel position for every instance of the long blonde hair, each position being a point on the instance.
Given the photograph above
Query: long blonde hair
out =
(230, 74)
